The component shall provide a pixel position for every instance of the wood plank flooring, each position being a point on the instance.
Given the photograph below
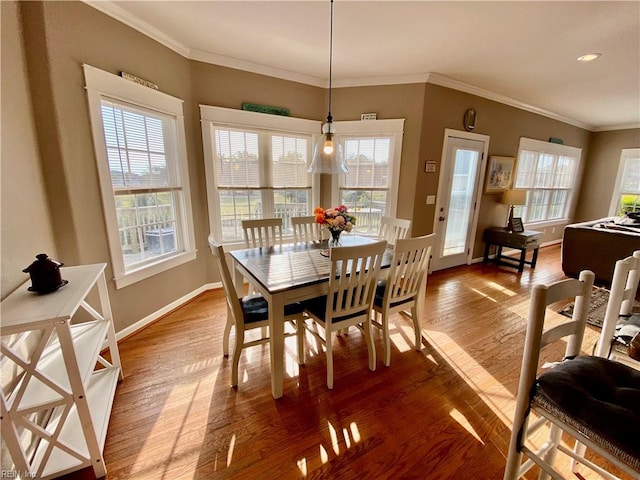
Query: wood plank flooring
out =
(442, 413)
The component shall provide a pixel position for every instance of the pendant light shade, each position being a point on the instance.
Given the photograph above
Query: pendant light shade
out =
(327, 153)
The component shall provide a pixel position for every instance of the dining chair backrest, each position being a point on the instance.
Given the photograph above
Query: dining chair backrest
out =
(393, 229)
(265, 232)
(233, 301)
(306, 229)
(408, 272)
(624, 286)
(354, 271)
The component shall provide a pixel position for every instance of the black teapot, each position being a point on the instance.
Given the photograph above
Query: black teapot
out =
(45, 274)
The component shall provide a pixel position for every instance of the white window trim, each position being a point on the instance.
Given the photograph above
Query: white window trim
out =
(556, 149)
(211, 116)
(385, 127)
(615, 196)
(98, 84)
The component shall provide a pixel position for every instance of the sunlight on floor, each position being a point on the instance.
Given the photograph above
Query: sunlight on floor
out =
(351, 436)
(232, 444)
(461, 419)
(474, 375)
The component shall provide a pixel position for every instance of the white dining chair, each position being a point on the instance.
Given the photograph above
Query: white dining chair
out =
(624, 287)
(352, 280)
(306, 229)
(263, 232)
(393, 229)
(589, 398)
(247, 313)
(403, 289)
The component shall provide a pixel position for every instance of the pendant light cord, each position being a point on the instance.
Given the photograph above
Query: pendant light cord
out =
(329, 117)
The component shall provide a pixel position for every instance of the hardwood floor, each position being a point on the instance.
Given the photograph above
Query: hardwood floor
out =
(442, 413)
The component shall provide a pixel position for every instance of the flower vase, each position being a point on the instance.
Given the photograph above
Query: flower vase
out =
(334, 241)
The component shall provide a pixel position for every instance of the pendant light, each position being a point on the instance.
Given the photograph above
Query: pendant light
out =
(327, 153)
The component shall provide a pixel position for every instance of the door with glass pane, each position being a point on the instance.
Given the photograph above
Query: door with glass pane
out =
(458, 192)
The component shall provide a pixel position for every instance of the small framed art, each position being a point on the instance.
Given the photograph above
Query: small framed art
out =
(499, 174)
(516, 225)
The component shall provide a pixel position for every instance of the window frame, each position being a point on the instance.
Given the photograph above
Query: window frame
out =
(548, 148)
(625, 155)
(394, 128)
(99, 85)
(212, 117)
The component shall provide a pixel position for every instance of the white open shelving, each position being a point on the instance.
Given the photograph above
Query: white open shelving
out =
(56, 406)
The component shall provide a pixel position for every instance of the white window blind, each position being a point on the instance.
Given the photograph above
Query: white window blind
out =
(372, 152)
(141, 155)
(548, 172)
(259, 169)
(626, 195)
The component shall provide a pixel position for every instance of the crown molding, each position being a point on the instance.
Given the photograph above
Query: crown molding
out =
(111, 9)
(252, 67)
(444, 81)
(626, 126)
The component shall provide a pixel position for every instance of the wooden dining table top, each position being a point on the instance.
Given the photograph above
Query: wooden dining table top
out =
(295, 265)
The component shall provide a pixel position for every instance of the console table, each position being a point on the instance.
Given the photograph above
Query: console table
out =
(523, 241)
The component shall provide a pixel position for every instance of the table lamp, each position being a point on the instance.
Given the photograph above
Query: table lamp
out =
(512, 198)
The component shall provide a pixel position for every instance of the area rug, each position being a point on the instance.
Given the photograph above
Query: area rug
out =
(597, 308)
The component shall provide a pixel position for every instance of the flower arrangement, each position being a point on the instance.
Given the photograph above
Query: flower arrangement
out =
(336, 220)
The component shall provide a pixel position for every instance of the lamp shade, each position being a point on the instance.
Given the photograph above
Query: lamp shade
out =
(327, 153)
(514, 197)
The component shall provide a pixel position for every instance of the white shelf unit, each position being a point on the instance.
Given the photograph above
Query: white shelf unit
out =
(58, 383)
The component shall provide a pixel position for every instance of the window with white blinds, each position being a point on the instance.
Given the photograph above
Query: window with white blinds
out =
(256, 168)
(141, 155)
(548, 172)
(372, 151)
(626, 195)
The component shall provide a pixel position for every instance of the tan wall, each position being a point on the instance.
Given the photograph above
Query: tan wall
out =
(390, 101)
(445, 108)
(61, 36)
(26, 226)
(600, 171)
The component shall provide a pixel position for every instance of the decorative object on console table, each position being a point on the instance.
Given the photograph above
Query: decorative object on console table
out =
(523, 241)
(513, 198)
(45, 275)
(499, 174)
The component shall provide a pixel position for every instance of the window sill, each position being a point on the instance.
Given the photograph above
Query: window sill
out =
(153, 269)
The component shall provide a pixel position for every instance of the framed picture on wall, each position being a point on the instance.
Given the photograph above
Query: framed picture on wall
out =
(499, 174)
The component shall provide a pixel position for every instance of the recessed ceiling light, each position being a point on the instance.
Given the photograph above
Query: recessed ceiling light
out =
(589, 57)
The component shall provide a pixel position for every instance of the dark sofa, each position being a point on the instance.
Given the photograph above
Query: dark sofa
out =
(597, 245)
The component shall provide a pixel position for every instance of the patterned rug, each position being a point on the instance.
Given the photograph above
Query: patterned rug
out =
(597, 309)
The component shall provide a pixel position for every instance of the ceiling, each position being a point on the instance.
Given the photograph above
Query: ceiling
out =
(520, 53)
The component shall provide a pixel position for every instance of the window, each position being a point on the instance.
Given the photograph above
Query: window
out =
(626, 194)
(372, 151)
(141, 153)
(548, 172)
(256, 167)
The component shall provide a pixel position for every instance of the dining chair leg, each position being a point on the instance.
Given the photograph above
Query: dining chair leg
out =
(417, 327)
(236, 358)
(386, 341)
(329, 352)
(555, 434)
(366, 326)
(226, 335)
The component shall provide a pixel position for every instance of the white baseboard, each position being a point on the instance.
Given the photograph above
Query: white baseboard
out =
(140, 324)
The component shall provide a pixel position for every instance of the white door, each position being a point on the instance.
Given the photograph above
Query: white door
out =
(459, 190)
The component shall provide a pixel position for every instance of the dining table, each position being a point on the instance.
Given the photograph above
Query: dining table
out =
(285, 274)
